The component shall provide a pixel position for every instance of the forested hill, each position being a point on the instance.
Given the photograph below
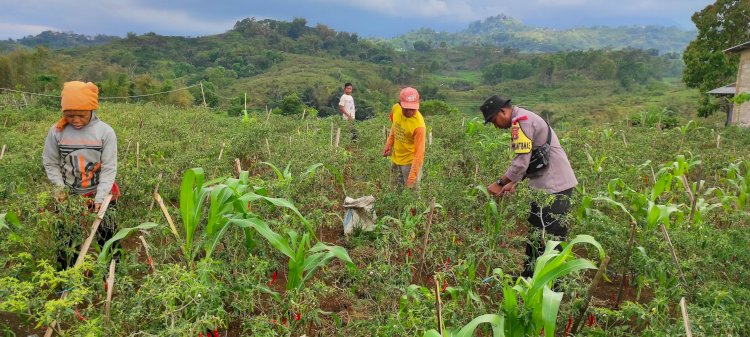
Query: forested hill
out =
(57, 40)
(504, 31)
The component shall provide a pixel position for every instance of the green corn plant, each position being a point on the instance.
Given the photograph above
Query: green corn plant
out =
(466, 273)
(303, 259)
(228, 198)
(495, 321)
(739, 184)
(104, 255)
(539, 304)
(492, 218)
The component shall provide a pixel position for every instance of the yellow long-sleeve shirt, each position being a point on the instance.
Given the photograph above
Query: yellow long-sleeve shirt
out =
(407, 140)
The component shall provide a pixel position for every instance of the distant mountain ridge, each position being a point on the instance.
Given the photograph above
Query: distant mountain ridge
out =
(57, 40)
(504, 31)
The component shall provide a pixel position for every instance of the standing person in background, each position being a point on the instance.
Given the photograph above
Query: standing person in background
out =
(406, 141)
(80, 154)
(348, 111)
(539, 158)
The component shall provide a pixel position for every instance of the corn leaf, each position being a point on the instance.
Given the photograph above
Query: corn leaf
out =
(121, 234)
(550, 305)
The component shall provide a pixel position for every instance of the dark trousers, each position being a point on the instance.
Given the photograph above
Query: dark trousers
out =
(547, 220)
(106, 231)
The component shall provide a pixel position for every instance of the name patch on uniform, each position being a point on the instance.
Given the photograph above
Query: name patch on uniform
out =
(520, 143)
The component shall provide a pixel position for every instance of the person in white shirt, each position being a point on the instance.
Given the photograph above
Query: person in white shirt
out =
(347, 109)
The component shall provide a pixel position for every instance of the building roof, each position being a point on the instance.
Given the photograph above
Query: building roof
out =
(738, 48)
(728, 89)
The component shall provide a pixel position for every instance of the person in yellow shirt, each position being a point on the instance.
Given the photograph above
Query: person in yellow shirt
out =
(406, 142)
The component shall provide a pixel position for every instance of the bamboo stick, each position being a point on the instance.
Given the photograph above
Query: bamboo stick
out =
(674, 254)
(110, 289)
(164, 210)
(338, 136)
(590, 294)
(221, 153)
(685, 319)
(238, 166)
(427, 235)
(156, 190)
(145, 247)
(438, 306)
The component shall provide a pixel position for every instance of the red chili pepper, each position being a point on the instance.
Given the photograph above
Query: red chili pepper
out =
(150, 262)
(413, 211)
(79, 316)
(216, 333)
(273, 321)
(408, 252)
(570, 325)
(200, 334)
(645, 178)
(273, 277)
(298, 316)
(591, 321)
(284, 321)
(106, 286)
(445, 285)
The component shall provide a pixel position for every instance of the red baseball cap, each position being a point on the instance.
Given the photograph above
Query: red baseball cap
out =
(409, 98)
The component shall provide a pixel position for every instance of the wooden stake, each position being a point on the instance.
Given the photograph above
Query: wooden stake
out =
(290, 140)
(623, 139)
(2, 152)
(85, 249)
(698, 186)
(221, 153)
(626, 266)
(463, 121)
(164, 210)
(203, 95)
(718, 141)
(110, 289)
(268, 114)
(331, 134)
(268, 148)
(156, 190)
(674, 254)
(438, 305)
(126, 151)
(238, 166)
(590, 294)
(429, 139)
(426, 235)
(685, 319)
(304, 112)
(145, 247)
(137, 154)
(245, 101)
(338, 136)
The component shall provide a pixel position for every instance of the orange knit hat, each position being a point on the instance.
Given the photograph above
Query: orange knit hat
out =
(77, 95)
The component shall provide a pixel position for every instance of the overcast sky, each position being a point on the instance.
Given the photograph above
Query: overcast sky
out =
(368, 18)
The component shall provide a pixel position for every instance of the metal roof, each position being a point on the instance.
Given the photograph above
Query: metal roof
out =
(737, 48)
(728, 89)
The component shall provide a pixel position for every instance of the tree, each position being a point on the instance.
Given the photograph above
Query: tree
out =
(291, 105)
(720, 26)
